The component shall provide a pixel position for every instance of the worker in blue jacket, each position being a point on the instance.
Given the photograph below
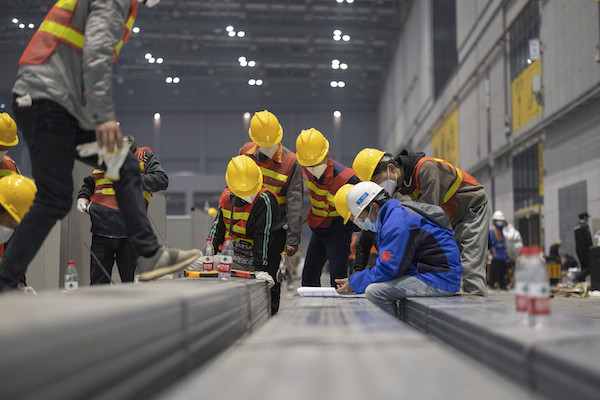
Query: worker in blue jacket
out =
(418, 256)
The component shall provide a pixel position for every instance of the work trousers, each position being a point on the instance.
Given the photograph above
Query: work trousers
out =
(276, 247)
(471, 235)
(52, 134)
(107, 251)
(498, 270)
(333, 247)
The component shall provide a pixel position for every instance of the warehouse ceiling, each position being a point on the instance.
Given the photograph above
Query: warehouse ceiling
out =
(240, 53)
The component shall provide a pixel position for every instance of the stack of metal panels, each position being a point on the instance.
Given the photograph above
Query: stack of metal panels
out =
(125, 341)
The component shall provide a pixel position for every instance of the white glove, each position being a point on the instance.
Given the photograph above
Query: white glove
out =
(262, 275)
(113, 160)
(82, 205)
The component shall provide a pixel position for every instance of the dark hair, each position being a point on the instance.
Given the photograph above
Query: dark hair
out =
(583, 215)
(383, 164)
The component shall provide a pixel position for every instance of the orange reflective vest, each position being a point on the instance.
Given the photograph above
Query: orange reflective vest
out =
(104, 193)
(322, 210)
(275, 174)
(239, 215)
(8, 167)
(448, 203)
(57, 28)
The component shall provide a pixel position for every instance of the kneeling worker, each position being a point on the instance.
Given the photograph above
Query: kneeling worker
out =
(418, 256)
(248, 212)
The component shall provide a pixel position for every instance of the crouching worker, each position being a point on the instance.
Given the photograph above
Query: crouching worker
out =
(247, 213)
(418, 256)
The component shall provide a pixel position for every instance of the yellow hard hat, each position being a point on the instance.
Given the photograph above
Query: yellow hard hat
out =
(311, 147)
(365, 163)
(265, 130)
(339, 200)
(213, 212)
(16, 195)
(8, 131)
(243, 176)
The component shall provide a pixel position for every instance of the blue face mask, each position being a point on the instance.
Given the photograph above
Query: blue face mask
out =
(370, 225)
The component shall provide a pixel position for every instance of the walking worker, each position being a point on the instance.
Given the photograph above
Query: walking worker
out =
(248, 213)
(436, 181)
(330, 238)
(57, 111)
(109, 237)
(418, 256)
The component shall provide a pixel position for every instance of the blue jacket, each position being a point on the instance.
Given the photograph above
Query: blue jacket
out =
(409, 244)
(498, 242)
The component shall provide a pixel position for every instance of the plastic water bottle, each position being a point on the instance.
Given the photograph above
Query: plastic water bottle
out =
(136, 274)
(226, 258)
(208, 254)
(539, 290)
(522, 286)
(71, 277)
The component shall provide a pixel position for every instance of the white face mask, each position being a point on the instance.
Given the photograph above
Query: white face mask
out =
(317, 170)
(5, 233)
(2, 154)
(249, 199)
(269, 151)
(389, 185)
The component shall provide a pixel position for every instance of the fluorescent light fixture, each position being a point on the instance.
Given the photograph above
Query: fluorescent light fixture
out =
(345, 38)
(176, 80)
(148, 56)
(243, 63)
(31, 26)
(157, 116)
(344, 66)
(21, 26)
(15, 21)
(341, 84)
(340, 1)
(231, 33)
(241, 34)
(159, 60)
(242, 58)
(251, 63)
(349, 1)
(169, 79)
(259, 82)
(252, 82)
(246, 115)
(335, 66)
(337, 38)
(337, 114)
(333, 84)
(136, 29)
(337, 32)
(151, 60)
(229, 28)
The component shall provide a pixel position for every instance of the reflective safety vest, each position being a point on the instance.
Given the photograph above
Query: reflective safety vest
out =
(57, 28)
(322, 210)
(8, 167)
(104, 193)
(275, 175)
(240, 216)
(448, 203)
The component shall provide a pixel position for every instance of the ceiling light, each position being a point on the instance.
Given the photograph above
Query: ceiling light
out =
(229, 28)
(157, 116)
(169, 79)
(243, 63)
(2, 105)
(337, 32)
(148, 56)
(345, 38)
(340, 1)
(337, 37)
(246, 115)
(15, 21)
(21, 26)
(341, 84)
(151, 60)
(333, 83)
(136, 29)
(337, 114)
(176, 80)
(242, 58)
(31, 26)
(529, 61)
(231, 33)
(252, 82)
(241, 34)
(259, 82)
(344, 66)
(335, 66)
(335, 61)
(350, 1)
(251, 63)
(159, 60)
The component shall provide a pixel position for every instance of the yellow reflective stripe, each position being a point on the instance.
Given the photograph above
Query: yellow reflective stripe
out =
(104, 181)
(454, 188)
(236, 215)
(108, 191)
(5, 172)
(320, 204)
(272, 174)
(66, 4)
(238, 229)
(318, 191)
(416, 193)
(323, 213)
(276, 189)
(282, 199)
(64, 32)
(128, 25)
(147, 195)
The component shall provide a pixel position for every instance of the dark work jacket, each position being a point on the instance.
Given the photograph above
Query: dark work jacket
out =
(583, 240)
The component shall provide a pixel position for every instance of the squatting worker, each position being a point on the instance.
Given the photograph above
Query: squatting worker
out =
(436, 181)
(62, 98)
(330, 238)
(418, 256)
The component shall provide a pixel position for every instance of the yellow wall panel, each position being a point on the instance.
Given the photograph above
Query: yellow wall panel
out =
(444, 143)
(524, 105)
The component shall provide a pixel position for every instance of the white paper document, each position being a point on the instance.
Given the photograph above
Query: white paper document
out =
(307, 291)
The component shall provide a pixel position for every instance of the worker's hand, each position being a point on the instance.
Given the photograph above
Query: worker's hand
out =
(263, 275)
(82, 205)
(342, 286)
(291, 249)
(108, 135)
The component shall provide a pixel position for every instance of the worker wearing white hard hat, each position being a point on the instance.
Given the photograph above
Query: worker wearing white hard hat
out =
(417, 253)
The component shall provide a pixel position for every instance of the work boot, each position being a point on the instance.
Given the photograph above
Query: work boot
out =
(165, 261)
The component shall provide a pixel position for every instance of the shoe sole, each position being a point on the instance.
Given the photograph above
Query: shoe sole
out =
(157, 273)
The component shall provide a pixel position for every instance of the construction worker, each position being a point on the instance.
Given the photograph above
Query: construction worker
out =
(330, 238)
(417, 254)
(8, 139)
(57, 111)
(583, 243)
(499, 251)
(109, 237)
(436, 181)
(248, 213)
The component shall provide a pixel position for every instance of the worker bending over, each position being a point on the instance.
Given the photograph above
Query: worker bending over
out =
(418, 256)
(436, 181)
(248, 213)
(330, 238)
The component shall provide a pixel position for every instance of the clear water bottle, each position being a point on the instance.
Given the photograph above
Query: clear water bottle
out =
(226, 258)
(522, 285)
(539, 290)
(208, 254)
(71, 277)
(136, 274)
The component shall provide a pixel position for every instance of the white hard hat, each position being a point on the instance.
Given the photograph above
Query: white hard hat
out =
(361, 195)
(498, 216)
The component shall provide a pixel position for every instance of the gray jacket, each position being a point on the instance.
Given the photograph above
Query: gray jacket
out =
(81, 81)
